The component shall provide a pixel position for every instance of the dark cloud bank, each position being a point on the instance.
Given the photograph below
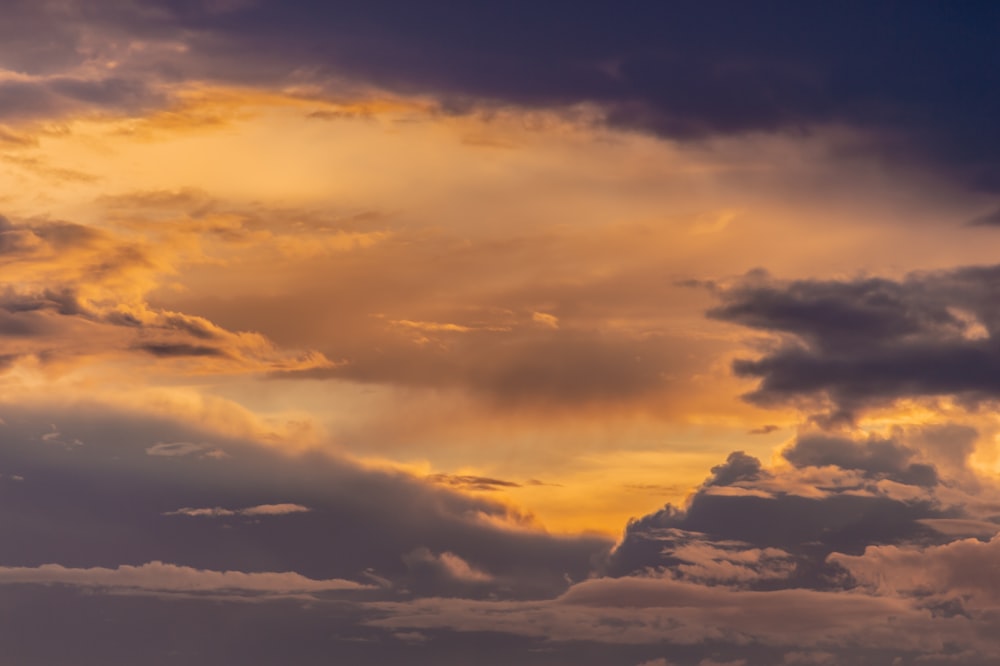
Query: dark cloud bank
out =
(119, 530)
(915, 74)
(856, 344)
(914, 77)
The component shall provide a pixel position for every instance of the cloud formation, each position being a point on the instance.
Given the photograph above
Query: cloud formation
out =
(684, 72)
(159, 578)
(299, 299)
(868, 341)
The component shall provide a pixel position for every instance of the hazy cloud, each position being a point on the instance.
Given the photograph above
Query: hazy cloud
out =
(160, 578)
(259, 510)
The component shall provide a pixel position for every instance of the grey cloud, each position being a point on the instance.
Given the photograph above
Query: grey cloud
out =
(919, 92)
(651, 610)
(870, 341)
(45, 306)
(171, 449)
(102, 505)
(103, 630)
(738, 467)
(987, 220)
(159, 578)
(168, 350)
(473, 482)
(743, 503)
(280, 509)
(472, 590)
(961, 572)
(874, 456)
(49, 98)
(685, 71)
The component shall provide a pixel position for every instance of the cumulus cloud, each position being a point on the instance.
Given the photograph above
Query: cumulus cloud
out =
(767, 527)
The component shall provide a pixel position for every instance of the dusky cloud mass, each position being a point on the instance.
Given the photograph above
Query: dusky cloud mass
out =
(435, 333)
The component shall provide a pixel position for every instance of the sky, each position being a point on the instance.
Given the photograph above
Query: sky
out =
(568, 333)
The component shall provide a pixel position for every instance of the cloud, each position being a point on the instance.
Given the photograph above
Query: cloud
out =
(167, 350)
(545, 319)
(259, 510)
(738, 467)
(160, 578)
(962, 571)
(447, 564)
(552, 368)
(334, 519)
(774, 527)
(686, 82)
(656, 610)
(869, 341)
(30, 98)
(874, 456)
(685, 79)
(173, 449)
(79, 291)
(472, 482)
(800, 565)
(712, 574)
(987, 220)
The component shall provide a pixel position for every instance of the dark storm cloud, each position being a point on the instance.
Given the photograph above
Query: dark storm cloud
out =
(869, 341)
(108, 502)
(916, 75)
(875, 456)
(436, 583)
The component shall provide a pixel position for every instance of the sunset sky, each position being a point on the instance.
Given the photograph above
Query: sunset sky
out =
(541, 333)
